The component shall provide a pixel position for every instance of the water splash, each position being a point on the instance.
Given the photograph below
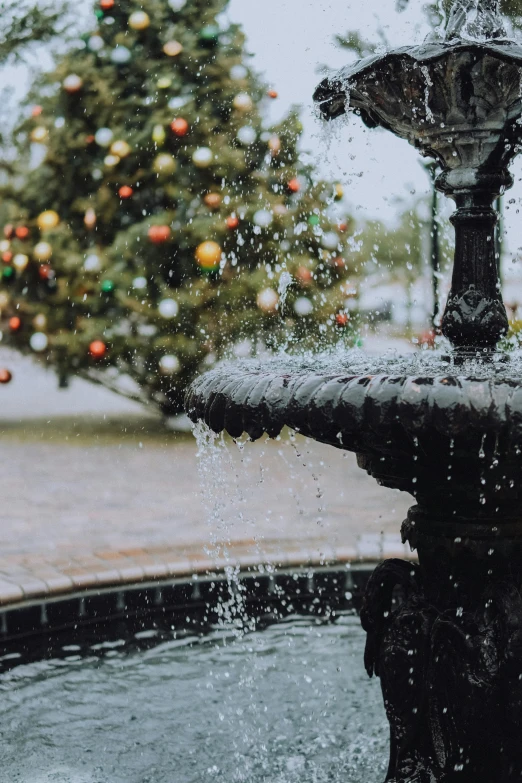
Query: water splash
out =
(429, 83)
(285, 283)
(475, 20)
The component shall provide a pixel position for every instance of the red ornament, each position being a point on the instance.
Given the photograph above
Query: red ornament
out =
(90, 139)
(273, 94)
(125, 191)
(15, 323)
(343, 227)
(179, 126)
(341, 319)
(232, 222)
(5, 375)
(304, 275)
(36, 111)
(338, 262)
(294, 186)
(22, 232)
(45, 272)
(97, 349)
(159, 234)
(106, 5)
(9, 231)
(7, 257)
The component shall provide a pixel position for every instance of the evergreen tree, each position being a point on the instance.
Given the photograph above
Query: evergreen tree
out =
(157, 216)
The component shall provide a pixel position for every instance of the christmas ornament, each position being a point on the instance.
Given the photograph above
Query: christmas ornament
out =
(159, 234)
(120, 148)
(168, 308)
(20, 262)
(139, 283)
(47, 220)
(90, 139)
(330, 240)
(179, 126)
(164, 83)
(243, 102)
(90, 218)
(45, 272)
(158, 134)
(97, 349)
(267, 300)
(111, 161)
(103, 137)
(4, 245)
(314, 220)
(208, 255)
(169, 364)
(303, 306)
(39, 134)
(6, 376)
(172, 48)
(338, 191)
(39, 341)
(106, 5)
(92, 263)
(36, 111)
(263, 218)
(179, 101)
(274, 144)
(59, 122)
(273, 94)
(246, 135)
(15, 323)
(107, 287)
(42, 251)
(209, 34)
(7, 257)
(212, 200)
(177, 5)
(280, 210)
(341, 319)
(72, 83)
(120, 55)
(139, 20)
(304, 275)
(165, 164)
(22, 232)
(202, 157)
(39, 322)
(294, 186)
(232, 222)
(125, 192)
(8, 273)
(238, 73)
(95, 43)
(9, 231)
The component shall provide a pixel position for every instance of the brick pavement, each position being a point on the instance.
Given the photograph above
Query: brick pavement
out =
(96, 502)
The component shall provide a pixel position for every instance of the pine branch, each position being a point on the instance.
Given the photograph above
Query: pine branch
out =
(24, 25)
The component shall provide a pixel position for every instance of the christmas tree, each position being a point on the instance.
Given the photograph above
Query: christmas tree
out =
(157, 222)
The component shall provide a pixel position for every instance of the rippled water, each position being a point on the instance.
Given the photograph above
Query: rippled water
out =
(291, 704)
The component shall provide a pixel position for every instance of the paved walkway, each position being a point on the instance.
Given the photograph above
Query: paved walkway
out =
(111, 497)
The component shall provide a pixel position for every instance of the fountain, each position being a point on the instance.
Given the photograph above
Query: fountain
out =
(443, 636)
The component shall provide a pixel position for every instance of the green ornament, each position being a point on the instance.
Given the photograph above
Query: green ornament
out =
(108, 287)
(8, 273)
(314, 220)
(99, 13)
(209, 34)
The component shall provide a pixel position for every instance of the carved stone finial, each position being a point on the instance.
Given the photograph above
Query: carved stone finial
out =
(475, 20)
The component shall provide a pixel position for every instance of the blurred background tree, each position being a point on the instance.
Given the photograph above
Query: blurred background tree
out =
(152, 216)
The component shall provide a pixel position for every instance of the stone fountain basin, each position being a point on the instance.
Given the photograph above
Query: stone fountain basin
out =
(425, 435)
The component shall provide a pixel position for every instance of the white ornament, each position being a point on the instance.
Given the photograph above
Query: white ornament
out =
(243, 102)
(169, 364)
(238, 72)
(59, 122)
(103, 137)
(120, 55)
(20, 261)
(330, 240)
(168, 308)
(111, 160)
(39, 342)
(96, 43)
(139, 283)
(263, 218)
(203, 157)
(177, 5)
(267, 300)
(92, 263)
(179, 101)
(303, 306)
(73, 82)
(247, 135)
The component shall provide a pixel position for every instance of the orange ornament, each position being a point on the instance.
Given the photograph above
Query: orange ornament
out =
(125, 191)
(343, 226)
(273, 94)
(90, 139)
(213, 200)
(106, 5)
(36, 111)
(179, 126)
(15, 323)
(8, 231)
(338, 262)
(159, 234)
(7, 257)
(341, 319)
(22, 232)
(97, 349)
(304, 275)
(5, 375)
(294, 186)
(232, 222)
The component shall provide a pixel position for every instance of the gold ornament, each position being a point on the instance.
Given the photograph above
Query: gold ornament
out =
(139, 20)
(164, 83)
(267, 300)
(165, 164)
(208, 255)
(40, 322)
(111, 161)
(39, 134)
(212, 200)
(73, 83)
(172, 48)
(120, 149)
(48, 220)
(43, 251)
(90, 218)
(158, 134)
(243, 102)
(338, 191)
(20, 261)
